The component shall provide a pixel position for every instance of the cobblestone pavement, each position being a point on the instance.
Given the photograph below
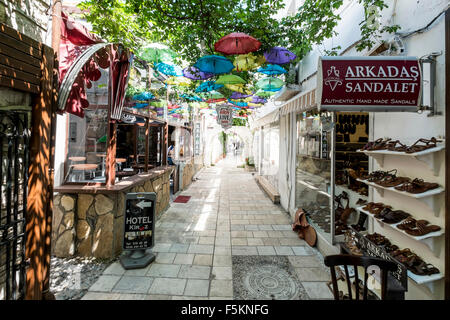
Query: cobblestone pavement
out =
(228, 215)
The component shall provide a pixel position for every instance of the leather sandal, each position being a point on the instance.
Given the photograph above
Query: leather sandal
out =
(395, 216)
(417, 186)
(427, 144)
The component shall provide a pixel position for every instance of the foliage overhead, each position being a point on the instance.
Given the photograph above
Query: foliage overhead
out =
(191, 27)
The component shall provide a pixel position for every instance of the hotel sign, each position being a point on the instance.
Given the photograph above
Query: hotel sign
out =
(369, 84)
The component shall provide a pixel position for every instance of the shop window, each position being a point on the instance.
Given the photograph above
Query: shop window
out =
(313, 170)
(271, 149)
(86, 150)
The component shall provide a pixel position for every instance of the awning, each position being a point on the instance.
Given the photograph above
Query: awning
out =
(273, 116)
(302, 102)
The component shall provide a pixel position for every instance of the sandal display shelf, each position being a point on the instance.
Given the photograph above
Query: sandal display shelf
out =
(428, 156)
(428, 197)
(429, 281)
(428, 239)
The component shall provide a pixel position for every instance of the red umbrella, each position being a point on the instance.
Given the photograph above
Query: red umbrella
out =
(237, 43)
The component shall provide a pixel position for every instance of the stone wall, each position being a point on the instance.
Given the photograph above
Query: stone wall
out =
(188, 173)
(91, 225)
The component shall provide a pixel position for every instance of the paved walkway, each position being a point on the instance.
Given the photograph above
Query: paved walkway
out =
(199, 244)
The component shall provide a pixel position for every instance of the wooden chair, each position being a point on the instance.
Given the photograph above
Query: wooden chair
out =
(346, 260)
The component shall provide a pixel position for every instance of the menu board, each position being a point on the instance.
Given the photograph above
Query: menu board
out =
(139, 221)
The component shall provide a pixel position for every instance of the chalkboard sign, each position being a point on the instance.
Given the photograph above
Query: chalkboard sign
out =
(139, 221)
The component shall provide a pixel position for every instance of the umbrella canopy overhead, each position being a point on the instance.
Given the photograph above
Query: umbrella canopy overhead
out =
(279, 55)
(156, 52)
(214, 64)
(269, 83)
(258, 99)
(237, 43)
(178, 81)
(239, 95)
(272, 69)
(230, 79)
(143, 96)
(169, 69)
(212, 95)
(238, 87)
(264, 94)
(195, 74)
(208, 86)
(246, 62)
(191, 98)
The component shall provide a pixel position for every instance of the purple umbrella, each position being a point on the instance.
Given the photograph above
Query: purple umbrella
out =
(257, 99)
(279, 55)
(238, 95)
(195, 74)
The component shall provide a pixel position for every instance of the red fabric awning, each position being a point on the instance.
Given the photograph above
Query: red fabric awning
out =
(75, 40)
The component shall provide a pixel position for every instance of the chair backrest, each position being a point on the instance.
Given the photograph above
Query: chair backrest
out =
(346, 260)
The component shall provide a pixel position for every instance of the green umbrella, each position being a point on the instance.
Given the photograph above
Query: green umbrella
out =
(156, 53)
(269, 83)
(102, 139)
(230, 79)
(212, 95)
(264, 94)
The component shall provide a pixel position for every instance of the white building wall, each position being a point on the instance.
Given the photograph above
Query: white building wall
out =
(407, 127)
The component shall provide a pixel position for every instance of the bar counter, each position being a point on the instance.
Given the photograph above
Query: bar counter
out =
(88, 219)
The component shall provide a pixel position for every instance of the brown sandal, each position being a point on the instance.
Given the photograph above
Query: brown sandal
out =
(428, 144)
(417, 186)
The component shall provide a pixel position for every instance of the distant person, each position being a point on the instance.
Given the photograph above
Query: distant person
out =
(170, 153)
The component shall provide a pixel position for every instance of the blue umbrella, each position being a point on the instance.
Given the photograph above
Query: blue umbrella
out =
(140, 105)
(191, 98)
(208, 86)
(169, 69)
(272, 69)
(143, 96)
(239, 104)
(214, 64)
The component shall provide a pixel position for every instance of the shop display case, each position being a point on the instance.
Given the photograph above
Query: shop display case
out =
(314, 178)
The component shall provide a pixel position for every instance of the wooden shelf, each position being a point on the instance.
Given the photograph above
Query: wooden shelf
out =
(426, 197)
(428, 239)
(428, 156)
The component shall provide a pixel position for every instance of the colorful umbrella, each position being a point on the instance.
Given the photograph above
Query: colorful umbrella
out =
(239, 95)
(195, 74)
(237, 103)
(238, 87)
(157, 52)
(214, 64)
(230, 79)
(178, 81)
(143, 96)
(272, 69)
(140, 105)
(208, 86)
(212, 95)
(169, 69)
(191, 98)
(237, 43)
(264, 94)
(258, 99)
(269, 83)
(279, 55)
(247, 62)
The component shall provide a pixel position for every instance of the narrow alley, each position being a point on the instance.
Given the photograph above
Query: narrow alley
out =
(229, 241)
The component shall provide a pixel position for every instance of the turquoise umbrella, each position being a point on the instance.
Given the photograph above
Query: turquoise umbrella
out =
(214, 64)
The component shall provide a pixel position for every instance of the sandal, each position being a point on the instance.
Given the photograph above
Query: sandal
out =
(395, 217)
(392, 181)
(424, 269)
(407, 224)
(392, 146)
(428, 144)
(422, 229)
(417, 186)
